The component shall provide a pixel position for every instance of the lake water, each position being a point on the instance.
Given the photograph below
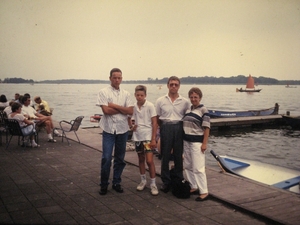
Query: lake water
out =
(274, 146)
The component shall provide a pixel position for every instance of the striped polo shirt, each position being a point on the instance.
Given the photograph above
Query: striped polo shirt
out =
(193, 123)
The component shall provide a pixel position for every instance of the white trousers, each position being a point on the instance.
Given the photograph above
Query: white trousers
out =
(194, 165)
(27, 130)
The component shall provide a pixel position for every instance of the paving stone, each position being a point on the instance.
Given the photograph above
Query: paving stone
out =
(59, 184)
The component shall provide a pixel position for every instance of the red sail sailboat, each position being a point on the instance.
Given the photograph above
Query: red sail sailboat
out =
(249, 86)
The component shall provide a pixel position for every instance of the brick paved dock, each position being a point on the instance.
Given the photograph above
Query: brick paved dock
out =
(59, 184)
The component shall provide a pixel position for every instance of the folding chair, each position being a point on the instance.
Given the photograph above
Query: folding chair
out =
(3, 128)
(66, 127)
(14, 129)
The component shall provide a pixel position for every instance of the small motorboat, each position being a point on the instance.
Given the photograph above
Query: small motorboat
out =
(288, 86)
(276, 176)
(230, 114)
(95, 118)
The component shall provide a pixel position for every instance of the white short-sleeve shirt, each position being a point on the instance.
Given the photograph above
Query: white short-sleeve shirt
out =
(114, 123)
(29, 110)
(142, 118)
(20, 119)
(171, 111)
(8, 110)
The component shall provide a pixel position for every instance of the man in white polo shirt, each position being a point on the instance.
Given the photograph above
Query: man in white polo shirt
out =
(170, 109)
(116, 105)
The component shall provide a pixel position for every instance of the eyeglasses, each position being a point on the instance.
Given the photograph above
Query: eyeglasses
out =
(173, 84)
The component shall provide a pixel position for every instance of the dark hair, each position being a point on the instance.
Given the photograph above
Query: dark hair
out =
(24, 98)
(21, 98)
(141, 88)
(173, 78)
(15, 106)
(3, 98)
(196, 91)
(114, 70)
(27, 95)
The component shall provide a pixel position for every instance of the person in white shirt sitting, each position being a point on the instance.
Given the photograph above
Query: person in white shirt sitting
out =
(27, 126)
(31, 102)
(7, 109)
(16, 99)
(3, 101)
(38, 118)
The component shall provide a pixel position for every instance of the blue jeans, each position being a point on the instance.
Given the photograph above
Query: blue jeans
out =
(109, 141)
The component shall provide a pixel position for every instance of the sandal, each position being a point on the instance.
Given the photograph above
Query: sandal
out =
(51, 140)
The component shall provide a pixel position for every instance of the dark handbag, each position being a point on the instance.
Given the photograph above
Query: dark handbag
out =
(180, 187)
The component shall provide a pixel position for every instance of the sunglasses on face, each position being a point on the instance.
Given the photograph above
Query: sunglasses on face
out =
(173, 84)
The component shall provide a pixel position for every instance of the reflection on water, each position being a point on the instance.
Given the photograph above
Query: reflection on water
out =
(275, 146)
(291, 133)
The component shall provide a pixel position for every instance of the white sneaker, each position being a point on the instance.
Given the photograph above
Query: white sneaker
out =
(35, 145)
(57, 134)
(154, 190)
(141, 186)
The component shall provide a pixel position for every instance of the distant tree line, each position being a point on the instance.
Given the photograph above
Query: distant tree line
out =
(16, 80)
(240, 79)
(74, 81)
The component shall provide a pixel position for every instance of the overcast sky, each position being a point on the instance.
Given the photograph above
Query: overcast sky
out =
(84, 39)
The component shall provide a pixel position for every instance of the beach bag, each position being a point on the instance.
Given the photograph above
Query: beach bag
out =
(180, 187)
(45, 113)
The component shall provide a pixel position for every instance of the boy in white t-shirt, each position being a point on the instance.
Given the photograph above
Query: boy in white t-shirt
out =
(144, 135)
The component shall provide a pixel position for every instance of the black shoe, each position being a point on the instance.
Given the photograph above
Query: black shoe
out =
(199, 199)
(165, 188)
(118, 188)
(103, 191)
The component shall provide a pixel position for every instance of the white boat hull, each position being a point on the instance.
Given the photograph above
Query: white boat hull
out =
(269, 174)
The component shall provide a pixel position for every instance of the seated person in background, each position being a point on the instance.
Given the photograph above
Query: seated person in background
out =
(40, 102)
(3, 101)
(39, 118)
(26, 125)
(31, 102)
(16, 99)
(7, 109)
(20, 99)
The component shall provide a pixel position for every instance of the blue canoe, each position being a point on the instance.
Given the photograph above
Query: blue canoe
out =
(232, 114)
